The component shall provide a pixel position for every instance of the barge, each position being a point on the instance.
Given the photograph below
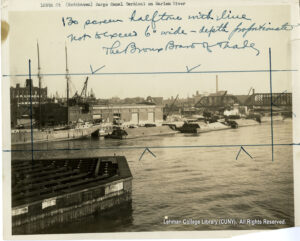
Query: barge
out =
(55, 191)
(130, 133)
(201, 127)
(33, 136)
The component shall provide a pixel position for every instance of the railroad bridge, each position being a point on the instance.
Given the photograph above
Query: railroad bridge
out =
(222, 99)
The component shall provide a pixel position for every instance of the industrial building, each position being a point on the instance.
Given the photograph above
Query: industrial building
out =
(56, 114)
(22, 94)
(128, 114)
(52, 114)
(20, 101)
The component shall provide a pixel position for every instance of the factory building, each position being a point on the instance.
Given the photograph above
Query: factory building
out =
(22, 94)
(128, 114)
(57, 114)
(20, 101)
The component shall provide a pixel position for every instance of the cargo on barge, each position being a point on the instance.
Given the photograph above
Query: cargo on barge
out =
(52, 191)
(130, 133)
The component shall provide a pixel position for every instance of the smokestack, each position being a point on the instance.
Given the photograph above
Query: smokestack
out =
(217, 84)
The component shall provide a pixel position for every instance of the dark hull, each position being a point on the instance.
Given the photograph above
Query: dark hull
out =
(61, 190)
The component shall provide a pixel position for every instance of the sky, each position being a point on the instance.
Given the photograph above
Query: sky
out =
(46, 27)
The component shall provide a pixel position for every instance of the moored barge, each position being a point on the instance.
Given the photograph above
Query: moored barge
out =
(52, 191)
(130, 133)
(34, 136)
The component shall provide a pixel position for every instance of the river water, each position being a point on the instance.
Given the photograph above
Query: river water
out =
(193, 177)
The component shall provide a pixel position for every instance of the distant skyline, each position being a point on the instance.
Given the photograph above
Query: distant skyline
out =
(62, 94)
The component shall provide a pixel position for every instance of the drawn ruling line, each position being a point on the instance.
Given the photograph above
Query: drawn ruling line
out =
(30, 94)
(146, 149)
(152, 147)
(246, 152)
(150, 152)
(158, 73)
(237, 156)
(142, 155)
(271, 104)
(242, 148)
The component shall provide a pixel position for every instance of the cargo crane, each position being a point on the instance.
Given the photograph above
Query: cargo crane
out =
(80, 99)
(171, 108)
(250, 90)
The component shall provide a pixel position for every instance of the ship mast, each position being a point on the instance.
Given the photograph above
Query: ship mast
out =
(40, 84)
(67, 78)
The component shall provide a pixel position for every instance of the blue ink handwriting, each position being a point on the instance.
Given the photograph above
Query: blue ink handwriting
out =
(94, 71)
(228, 15)
(83, 37)
(146, 149)
(68, 21)
(202, 16)
(214, 29)
(171, 45)
(99, 22)
(153, 18)
(115, 35)
(254, 27)
(242, 148)
(178, 31)
(189, 70)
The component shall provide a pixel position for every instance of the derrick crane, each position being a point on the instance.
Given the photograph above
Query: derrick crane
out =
(250, 90)
(171, 108)
(84, 89)
(82, 97)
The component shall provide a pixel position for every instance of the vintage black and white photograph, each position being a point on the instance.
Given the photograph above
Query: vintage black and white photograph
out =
(149, 117)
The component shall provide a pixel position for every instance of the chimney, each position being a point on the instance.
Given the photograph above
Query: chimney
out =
(253, 91)
(217, 84)
(29, 83)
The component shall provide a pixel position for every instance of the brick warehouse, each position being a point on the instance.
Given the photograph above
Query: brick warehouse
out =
(20, 100)
(129, 114)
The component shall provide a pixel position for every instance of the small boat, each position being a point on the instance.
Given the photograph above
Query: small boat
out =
(117, 134)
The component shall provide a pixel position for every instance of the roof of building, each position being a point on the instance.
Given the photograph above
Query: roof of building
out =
(219, 93)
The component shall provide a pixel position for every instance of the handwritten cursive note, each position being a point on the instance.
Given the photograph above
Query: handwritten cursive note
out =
(197, 30)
